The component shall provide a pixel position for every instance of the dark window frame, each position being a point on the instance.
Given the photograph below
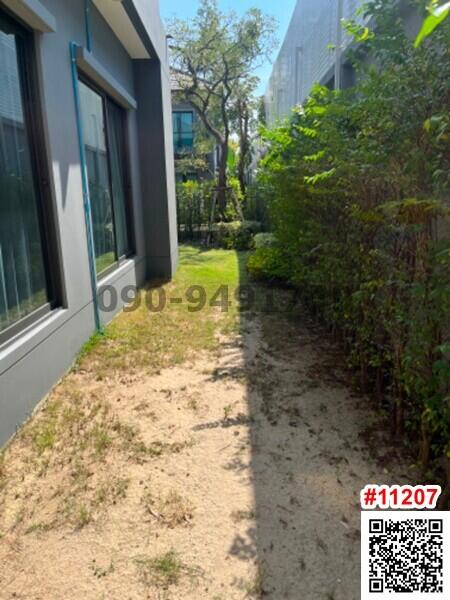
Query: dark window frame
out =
(40, 166)
(128, 188)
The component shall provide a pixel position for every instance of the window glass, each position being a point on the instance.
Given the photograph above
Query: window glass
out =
(23, 287)
(98, 174)
(118, 176)
(183, 130)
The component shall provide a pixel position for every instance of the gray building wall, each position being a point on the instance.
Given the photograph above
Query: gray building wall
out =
(34, 360)
(306, 57)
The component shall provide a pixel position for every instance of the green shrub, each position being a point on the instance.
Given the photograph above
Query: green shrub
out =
(357, 187)
(237, 235)
(264, 240)
(194, 199)
(270, 264)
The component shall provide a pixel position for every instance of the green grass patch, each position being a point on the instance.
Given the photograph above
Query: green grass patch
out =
(44, 437)
(151, 339)
(164, 570)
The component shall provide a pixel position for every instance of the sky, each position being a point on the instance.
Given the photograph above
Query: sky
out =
(281, 9)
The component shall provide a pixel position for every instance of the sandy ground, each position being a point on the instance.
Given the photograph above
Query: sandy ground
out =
(256, 490)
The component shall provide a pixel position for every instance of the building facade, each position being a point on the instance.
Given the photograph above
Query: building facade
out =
(308, 53)
(187, 129)
(314, 42)
(87, 184)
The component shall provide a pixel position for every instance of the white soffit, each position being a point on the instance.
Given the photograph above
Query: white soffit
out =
(33, 13)
(114, 13)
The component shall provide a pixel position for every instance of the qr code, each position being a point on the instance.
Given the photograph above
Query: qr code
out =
(405, 554)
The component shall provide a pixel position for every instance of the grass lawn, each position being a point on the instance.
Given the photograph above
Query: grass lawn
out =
(154, 339)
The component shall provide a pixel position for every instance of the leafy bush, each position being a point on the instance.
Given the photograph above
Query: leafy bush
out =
(264, 240)
(255, 207)
(269, 263)
(195, 208)
(237, 235)
(357, 187)
(194, 199)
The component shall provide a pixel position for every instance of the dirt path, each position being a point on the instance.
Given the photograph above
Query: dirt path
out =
(233, 476)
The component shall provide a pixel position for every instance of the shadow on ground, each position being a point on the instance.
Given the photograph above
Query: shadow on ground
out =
(309, 458)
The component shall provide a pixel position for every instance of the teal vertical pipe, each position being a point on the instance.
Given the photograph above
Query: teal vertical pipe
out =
(87, 18)
(85, 183)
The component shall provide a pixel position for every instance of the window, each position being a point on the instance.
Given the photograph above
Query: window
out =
(25, 280)
(183, 131)
(104, 139)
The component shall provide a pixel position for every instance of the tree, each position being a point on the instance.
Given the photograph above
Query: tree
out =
(243, 113)
(261, 110)
(213, 58)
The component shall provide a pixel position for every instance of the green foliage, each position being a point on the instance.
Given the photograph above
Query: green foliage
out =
(231, 164)
(357, 186)
(264, 240)
(237, 235)
(255, 206)
(194, 207)
(194, 199)
(269, 263)
(437, 15)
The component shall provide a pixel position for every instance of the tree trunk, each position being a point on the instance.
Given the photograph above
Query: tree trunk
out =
(244, 146)
(222, 179)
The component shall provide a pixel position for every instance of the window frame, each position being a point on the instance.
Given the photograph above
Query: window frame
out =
(128, 189)
(40, 168)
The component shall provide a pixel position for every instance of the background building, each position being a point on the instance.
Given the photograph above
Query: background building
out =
(305, 56)
(195, 151)
(314, 42)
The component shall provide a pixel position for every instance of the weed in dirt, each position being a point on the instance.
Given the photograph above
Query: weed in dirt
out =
(164, 570)
(80, 476)
(173, 509)
(100, 572)
(101, 495)
(19, 518)
(157, 449)
(92, 344)
(112, 491)
(193, 404)
(255, 589)
(126, 431)
(38, 528)
(44, 437)
(120, 488)
(242, 515)
(227, 411)
(100, 440)
(3, 475)
(82, 517)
